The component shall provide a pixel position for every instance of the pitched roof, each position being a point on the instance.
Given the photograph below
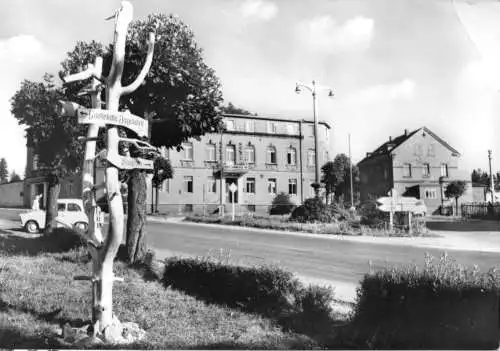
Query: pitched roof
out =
(389, 146)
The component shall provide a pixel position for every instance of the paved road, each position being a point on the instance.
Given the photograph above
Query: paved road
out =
(314, 257)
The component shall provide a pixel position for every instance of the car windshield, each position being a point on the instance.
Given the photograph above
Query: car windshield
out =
(61, 207)
(74, 207)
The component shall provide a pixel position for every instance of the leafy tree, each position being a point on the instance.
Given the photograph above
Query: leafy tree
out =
(4, 172)
(51, 136)
(14, 177)
(455, 189)
(480, 176)
(337, 179)
(281, 204)
(163, 170)
(180, 98)
(231, 109)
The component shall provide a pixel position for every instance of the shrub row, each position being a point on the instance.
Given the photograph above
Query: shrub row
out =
(442, 306)
(270, 291)
(61, 240)
(315, 210)
(275, 224)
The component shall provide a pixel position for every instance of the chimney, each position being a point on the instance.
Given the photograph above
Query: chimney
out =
(390, 139)
(406, 132)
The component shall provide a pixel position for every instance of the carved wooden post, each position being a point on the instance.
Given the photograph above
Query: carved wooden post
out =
(116, 221)
(104, 252)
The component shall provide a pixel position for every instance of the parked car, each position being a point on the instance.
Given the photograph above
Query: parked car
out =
(70, 214)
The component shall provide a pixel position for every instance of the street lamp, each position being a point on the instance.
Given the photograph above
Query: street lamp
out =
(313, 89)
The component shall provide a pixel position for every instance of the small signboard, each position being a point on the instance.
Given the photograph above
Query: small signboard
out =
(233, 187)
(124, 119)
(401, 204)
(124, 162)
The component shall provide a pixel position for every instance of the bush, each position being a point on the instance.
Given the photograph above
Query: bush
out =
(371, 215)
(62, 239)
(270, 291)
(443, 305)
(315, 210)
(281, 204)
(266, 290)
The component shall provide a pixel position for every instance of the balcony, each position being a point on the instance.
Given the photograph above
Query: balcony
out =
(231, 169)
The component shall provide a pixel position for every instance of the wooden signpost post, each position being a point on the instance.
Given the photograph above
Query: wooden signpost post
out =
(103, 251)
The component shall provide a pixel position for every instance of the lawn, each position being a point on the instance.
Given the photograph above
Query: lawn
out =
(38, 296)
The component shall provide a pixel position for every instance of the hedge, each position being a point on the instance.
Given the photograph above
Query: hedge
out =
(442, 306)
(269, 291)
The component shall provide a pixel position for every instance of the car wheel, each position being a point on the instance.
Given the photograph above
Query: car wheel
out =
(81, 227)
(31, 227)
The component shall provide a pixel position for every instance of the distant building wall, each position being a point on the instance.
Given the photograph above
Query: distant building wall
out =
(12, 194)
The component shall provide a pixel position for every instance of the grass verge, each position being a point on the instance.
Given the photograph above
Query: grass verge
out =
(38, 296)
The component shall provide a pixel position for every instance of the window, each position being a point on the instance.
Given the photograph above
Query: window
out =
(231, 154)
(249, 126)
(250, 186)
(444, 170)
(426, 170)
(188, 151)
(311, 130)
(210, 153)
(291, 156)
(212, 185)
(166, 186)
(292, 186)
(417, 150)
(35, 161)
(311, 158)
(271, 155)
(74, 207)
(251, 208)
(430, 151)
(61, 207)
(407, 170)
(229, 124)
(311, 190)
(188, 208)
(272, 127)
(291, 128)
(327, 134)
(326, 156)
(271, 185)
(430, 194)
(250, 154)
(188, 184)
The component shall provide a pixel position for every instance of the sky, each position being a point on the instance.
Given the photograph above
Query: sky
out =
(392, 64)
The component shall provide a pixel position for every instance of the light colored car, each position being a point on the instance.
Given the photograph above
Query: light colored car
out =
(69, 214)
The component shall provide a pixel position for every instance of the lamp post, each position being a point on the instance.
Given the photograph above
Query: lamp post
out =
(313, 90)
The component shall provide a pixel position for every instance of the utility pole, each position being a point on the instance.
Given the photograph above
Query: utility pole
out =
(492, 186)
(221, 167)
(350, 171)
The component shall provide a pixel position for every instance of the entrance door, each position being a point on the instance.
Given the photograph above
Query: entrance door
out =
(229, 194)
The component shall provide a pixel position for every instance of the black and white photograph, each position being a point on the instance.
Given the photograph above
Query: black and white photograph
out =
(250, 174)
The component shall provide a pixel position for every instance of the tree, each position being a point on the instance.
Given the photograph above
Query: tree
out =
(14, 177)
(162, 171)
(4, 172)
(231, 109)
(455, 189)
(179, 97)
(51, 136)
(281, 204)
(337, 179)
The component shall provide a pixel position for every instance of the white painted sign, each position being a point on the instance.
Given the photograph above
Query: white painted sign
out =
(233, 187)
(401, 204)
(124, 119)
(124, 162)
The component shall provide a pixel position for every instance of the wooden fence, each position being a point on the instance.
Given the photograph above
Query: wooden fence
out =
(481, 210)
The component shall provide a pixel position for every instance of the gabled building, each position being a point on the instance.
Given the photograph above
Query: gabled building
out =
(418, 164)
